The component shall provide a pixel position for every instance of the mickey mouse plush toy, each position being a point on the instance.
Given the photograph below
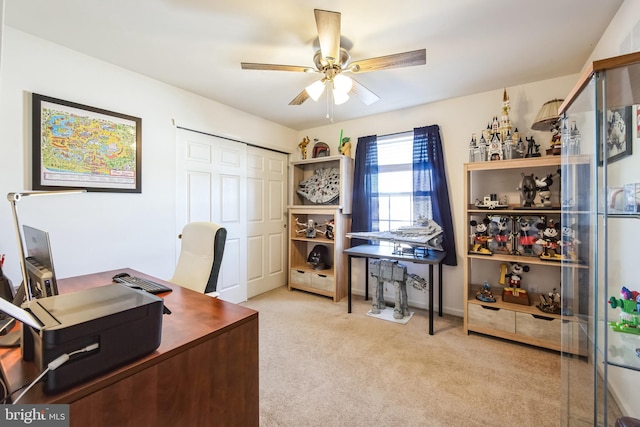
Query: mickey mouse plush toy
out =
(480, 236)
(549, 240)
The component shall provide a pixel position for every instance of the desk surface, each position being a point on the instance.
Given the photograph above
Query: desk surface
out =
(375, 251)
(195, 319)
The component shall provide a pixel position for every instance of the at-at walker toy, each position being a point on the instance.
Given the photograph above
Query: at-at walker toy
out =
(392, 271)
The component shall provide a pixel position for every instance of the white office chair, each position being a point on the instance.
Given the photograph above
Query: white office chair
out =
(200, 257)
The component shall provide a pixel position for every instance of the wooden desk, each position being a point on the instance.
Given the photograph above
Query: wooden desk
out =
(204, 373)
(386, 252)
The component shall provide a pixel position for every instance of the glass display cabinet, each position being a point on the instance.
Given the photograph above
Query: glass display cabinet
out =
(600, 219)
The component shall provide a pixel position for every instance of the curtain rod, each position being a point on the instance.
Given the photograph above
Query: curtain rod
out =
(396, 133)
(231, 139)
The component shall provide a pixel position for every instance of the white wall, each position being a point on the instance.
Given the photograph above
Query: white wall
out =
(100, 231)
(458, 119)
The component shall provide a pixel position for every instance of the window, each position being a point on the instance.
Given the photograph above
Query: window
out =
(395, 180)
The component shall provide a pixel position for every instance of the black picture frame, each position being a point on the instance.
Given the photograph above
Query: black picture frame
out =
(77, 146)
(619, 131)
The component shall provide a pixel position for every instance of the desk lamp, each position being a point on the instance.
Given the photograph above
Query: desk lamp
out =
(14, 198)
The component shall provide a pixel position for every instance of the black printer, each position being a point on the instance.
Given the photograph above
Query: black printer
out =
(125, 323)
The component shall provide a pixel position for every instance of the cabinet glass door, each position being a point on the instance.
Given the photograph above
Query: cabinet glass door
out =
(600, 203)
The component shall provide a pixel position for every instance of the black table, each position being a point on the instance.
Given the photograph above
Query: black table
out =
(386, 252)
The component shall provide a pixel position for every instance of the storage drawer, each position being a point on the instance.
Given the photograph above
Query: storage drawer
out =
(301, 278)
(491, 317)
(320, 281)
(539, 326)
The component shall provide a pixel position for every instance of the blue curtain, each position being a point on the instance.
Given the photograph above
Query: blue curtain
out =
(364, 215)
(430, 190)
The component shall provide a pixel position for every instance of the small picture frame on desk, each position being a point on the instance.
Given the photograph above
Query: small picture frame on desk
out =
(78, 146)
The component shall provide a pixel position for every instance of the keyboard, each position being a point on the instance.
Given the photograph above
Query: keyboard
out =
(144, 284)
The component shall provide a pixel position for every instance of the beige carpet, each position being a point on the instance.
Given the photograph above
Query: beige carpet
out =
(320, 366)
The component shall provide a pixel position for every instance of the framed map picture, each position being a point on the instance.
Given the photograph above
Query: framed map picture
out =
(77, 146)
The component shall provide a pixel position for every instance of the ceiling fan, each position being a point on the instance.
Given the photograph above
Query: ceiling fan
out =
(332, 60)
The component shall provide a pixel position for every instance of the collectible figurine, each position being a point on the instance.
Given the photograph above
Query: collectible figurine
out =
(542, 186)
(501, 234)
(514, 292)
(514, 275)
(527, 237)
(303, 147)
(533, 149)
(318, 257)
(629, 303)
(549, 240)
(385, 270)
(345, 146)
(329, 227)
(568, 244)
(480, 237)
(309, 228)
(552, 303)
(485, 294)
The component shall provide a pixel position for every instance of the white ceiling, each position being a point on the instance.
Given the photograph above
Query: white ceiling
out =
(472, 45)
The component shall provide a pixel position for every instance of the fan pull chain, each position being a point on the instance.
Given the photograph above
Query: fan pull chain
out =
(328, 95)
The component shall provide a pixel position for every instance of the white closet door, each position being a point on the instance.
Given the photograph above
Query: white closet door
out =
(212, 186)
(266, 204)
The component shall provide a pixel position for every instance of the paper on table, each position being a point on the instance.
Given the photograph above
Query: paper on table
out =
(18, 313)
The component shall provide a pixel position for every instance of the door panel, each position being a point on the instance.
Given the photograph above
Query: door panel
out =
(267, 220)
(211, 186)
(243, 189)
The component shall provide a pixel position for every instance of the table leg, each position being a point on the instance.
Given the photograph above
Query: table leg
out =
(349, 282)
(366, 279)
(440, 289)
(430, 299)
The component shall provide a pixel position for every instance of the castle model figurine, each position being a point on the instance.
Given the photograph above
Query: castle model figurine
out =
(499, 140)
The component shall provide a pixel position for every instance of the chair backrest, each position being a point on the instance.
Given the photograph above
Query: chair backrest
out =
(200, 256)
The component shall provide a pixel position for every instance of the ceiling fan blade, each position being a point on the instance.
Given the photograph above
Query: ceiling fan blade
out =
(405, 59)
(298, 100)
(328, 24)
(363, 93)
(275, 67)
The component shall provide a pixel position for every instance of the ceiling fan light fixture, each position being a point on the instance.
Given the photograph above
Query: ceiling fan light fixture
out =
(315, 89)
(342, 83)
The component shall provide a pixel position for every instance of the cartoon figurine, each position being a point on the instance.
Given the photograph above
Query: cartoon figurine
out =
(549, 240)
(485, 294)
(514, 292)
(345, 146)
(527, 237)
(481, 237)
(568, 244)
(303, 146)
(514, 275)
(501, 234)
(542, 185)
(629, 303)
